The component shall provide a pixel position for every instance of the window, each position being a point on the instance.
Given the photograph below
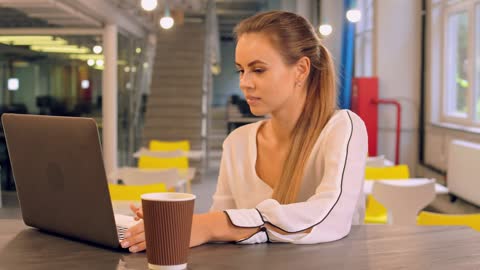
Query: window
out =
(461, 63)
(457, 65)
(364, 40)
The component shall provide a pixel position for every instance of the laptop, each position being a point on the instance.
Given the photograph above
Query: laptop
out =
(61, 182)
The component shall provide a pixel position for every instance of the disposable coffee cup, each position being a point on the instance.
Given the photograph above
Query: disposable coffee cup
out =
(167, 219)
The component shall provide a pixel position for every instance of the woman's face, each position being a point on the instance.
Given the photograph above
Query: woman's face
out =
(266, 81)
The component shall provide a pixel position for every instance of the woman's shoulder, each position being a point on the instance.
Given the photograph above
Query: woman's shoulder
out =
(344, 114)
(346, 119)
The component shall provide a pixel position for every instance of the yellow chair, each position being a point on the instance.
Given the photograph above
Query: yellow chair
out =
(146, 162)
(156, 145)
(122, 196)
(133, 192)
(426, 218)
(375, 212)
(391, 172)
(181, 163)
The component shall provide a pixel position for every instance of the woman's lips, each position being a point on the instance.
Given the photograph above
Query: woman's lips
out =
(253, 100)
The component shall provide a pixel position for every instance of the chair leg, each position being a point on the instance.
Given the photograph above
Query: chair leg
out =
(188, 186)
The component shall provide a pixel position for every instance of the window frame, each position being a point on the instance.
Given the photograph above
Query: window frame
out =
(476, 57)
(451, 8)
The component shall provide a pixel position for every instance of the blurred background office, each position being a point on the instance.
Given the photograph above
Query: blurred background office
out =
(164, 70)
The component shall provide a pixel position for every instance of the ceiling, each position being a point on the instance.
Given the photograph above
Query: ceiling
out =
(81, 13)
(229, 12)
(41, 13)
(94, 14)
(10, 17)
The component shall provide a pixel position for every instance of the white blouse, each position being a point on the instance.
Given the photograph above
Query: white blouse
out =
(330, 198)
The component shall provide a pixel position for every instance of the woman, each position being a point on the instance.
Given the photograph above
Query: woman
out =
(296, 177)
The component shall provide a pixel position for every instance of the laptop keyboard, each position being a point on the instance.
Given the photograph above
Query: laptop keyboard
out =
(121, 232)
(123, 222)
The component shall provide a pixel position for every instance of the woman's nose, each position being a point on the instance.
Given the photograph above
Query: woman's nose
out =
(245, 82)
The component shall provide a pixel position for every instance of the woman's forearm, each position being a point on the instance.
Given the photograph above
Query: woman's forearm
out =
(215, 226)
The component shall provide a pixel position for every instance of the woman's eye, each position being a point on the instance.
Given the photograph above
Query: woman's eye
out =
(258, 70)
(239, 71)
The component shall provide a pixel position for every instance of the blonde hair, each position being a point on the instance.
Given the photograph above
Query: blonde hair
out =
(294, 37)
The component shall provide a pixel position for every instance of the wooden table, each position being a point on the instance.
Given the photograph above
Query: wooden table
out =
(367, 247)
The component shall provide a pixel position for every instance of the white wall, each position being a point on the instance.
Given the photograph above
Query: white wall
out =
(397, 44)
(332, 13)
(289, 5)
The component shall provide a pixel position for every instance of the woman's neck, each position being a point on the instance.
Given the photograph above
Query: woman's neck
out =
(284, 120)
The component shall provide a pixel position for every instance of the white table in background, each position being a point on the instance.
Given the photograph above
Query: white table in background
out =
(192, 154)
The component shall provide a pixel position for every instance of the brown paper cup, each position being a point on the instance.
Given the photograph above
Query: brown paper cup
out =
(167, 219)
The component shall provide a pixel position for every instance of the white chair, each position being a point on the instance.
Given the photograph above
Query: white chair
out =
(404, 202)
(192, 154)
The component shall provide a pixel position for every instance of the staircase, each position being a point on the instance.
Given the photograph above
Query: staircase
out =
(174, 106)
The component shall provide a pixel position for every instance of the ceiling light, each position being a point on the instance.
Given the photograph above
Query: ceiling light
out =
(354, 15)
(13, 84)
(25, 38)
(166, 22)
(90, 62)
(99, 62)
(60, 49)
(26, 42)
(149, 5)
(85, 84)
(325, 29)
(215, 69)
(97, 49)
(138, 50)
(86, 57)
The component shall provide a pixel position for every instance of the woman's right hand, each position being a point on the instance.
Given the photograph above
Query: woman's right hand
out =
(135, 235)
(137, 211)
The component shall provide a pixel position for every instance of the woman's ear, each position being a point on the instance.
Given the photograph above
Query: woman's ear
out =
(302, 68)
